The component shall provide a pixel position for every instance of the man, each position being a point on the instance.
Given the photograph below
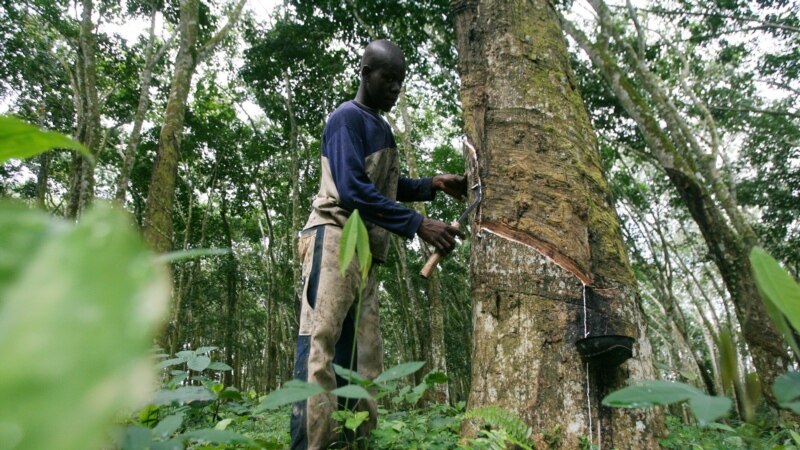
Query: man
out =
(360, 170)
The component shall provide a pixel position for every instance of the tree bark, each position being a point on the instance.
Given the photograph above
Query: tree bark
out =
(158, 216)
(88, 112)
(548, 265)
(151, 59)
(41, 179)
(231, 377)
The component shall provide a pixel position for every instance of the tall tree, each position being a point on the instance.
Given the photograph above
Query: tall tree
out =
(158, 217)
(548, 265)
(88, 111)
(693, 159)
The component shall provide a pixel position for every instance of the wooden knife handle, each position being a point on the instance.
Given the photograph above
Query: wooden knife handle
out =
(434, 259)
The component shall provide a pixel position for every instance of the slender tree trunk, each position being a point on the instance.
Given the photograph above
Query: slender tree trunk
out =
(152, 58)
(294, 154)
(548, 265)
(232, 378)
(409, 309)
(158, 217)
(271, 342)
(41, 179)
(88, 112)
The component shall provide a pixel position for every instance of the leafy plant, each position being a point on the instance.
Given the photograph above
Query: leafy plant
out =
(506, 427)
(80, 306)
(650, 393)
(782, 299)
(21, 140)
(190, 399)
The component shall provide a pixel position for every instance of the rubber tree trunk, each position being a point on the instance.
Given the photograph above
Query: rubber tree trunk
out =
(88, 111)
(158, 217)
(548, 264)
(231, 267)
(160, 196)
(145, 81)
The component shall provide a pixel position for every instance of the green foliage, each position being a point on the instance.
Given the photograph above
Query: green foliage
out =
(659, 392)
(787, 391)
(507, 427)
(783, 294)
(192, 408)
(80, 305)
(779, 291)
(399, 371)
(21, 140)
(292, 391)
(355, 240)
(759, 435)
(435, 427)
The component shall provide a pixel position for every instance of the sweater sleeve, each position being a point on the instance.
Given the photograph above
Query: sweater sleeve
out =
(346, 157)
(415, 190)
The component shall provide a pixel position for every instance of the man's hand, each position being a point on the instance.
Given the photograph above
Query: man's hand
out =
(452, 185)
(439, 234)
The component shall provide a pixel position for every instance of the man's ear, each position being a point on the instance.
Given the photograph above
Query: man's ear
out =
(365, 70)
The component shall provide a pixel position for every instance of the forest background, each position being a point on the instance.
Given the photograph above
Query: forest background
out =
(209, 136)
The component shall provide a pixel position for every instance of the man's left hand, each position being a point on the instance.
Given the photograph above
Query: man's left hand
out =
(452, 185)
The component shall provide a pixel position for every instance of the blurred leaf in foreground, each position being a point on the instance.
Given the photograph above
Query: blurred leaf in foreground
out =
(77, 319)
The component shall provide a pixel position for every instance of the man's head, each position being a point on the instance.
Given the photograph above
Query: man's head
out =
(383, 69)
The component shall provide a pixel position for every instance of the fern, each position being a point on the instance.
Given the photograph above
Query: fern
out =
(515, 430)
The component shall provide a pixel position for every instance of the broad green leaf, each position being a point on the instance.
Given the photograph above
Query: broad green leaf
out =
(362, 248)
(792, 406)
(21, 140)
(136, 437)
(185, 354)
(199, 363)
(220, 366)
(795, 437)
(708, 409)
(779, 288)
(399, 371)
(230, 394)
(787, 389)
(351, 391)
(651, 393)
(349, 375)
(205, 350)
(167, 445)
(355, 420)
(433, 378)
(779, 320)
(184, 394)
(76, 328)
(223, 424)
(168, 426)
(215, 436)
(729, 367)
(10, 435)
(22, 231)
(348, 242)
(169, 363)
(691, 376)
(183, 255)
(720, 426)
(292, 391)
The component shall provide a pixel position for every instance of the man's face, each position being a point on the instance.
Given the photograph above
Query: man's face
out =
(383, 84)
